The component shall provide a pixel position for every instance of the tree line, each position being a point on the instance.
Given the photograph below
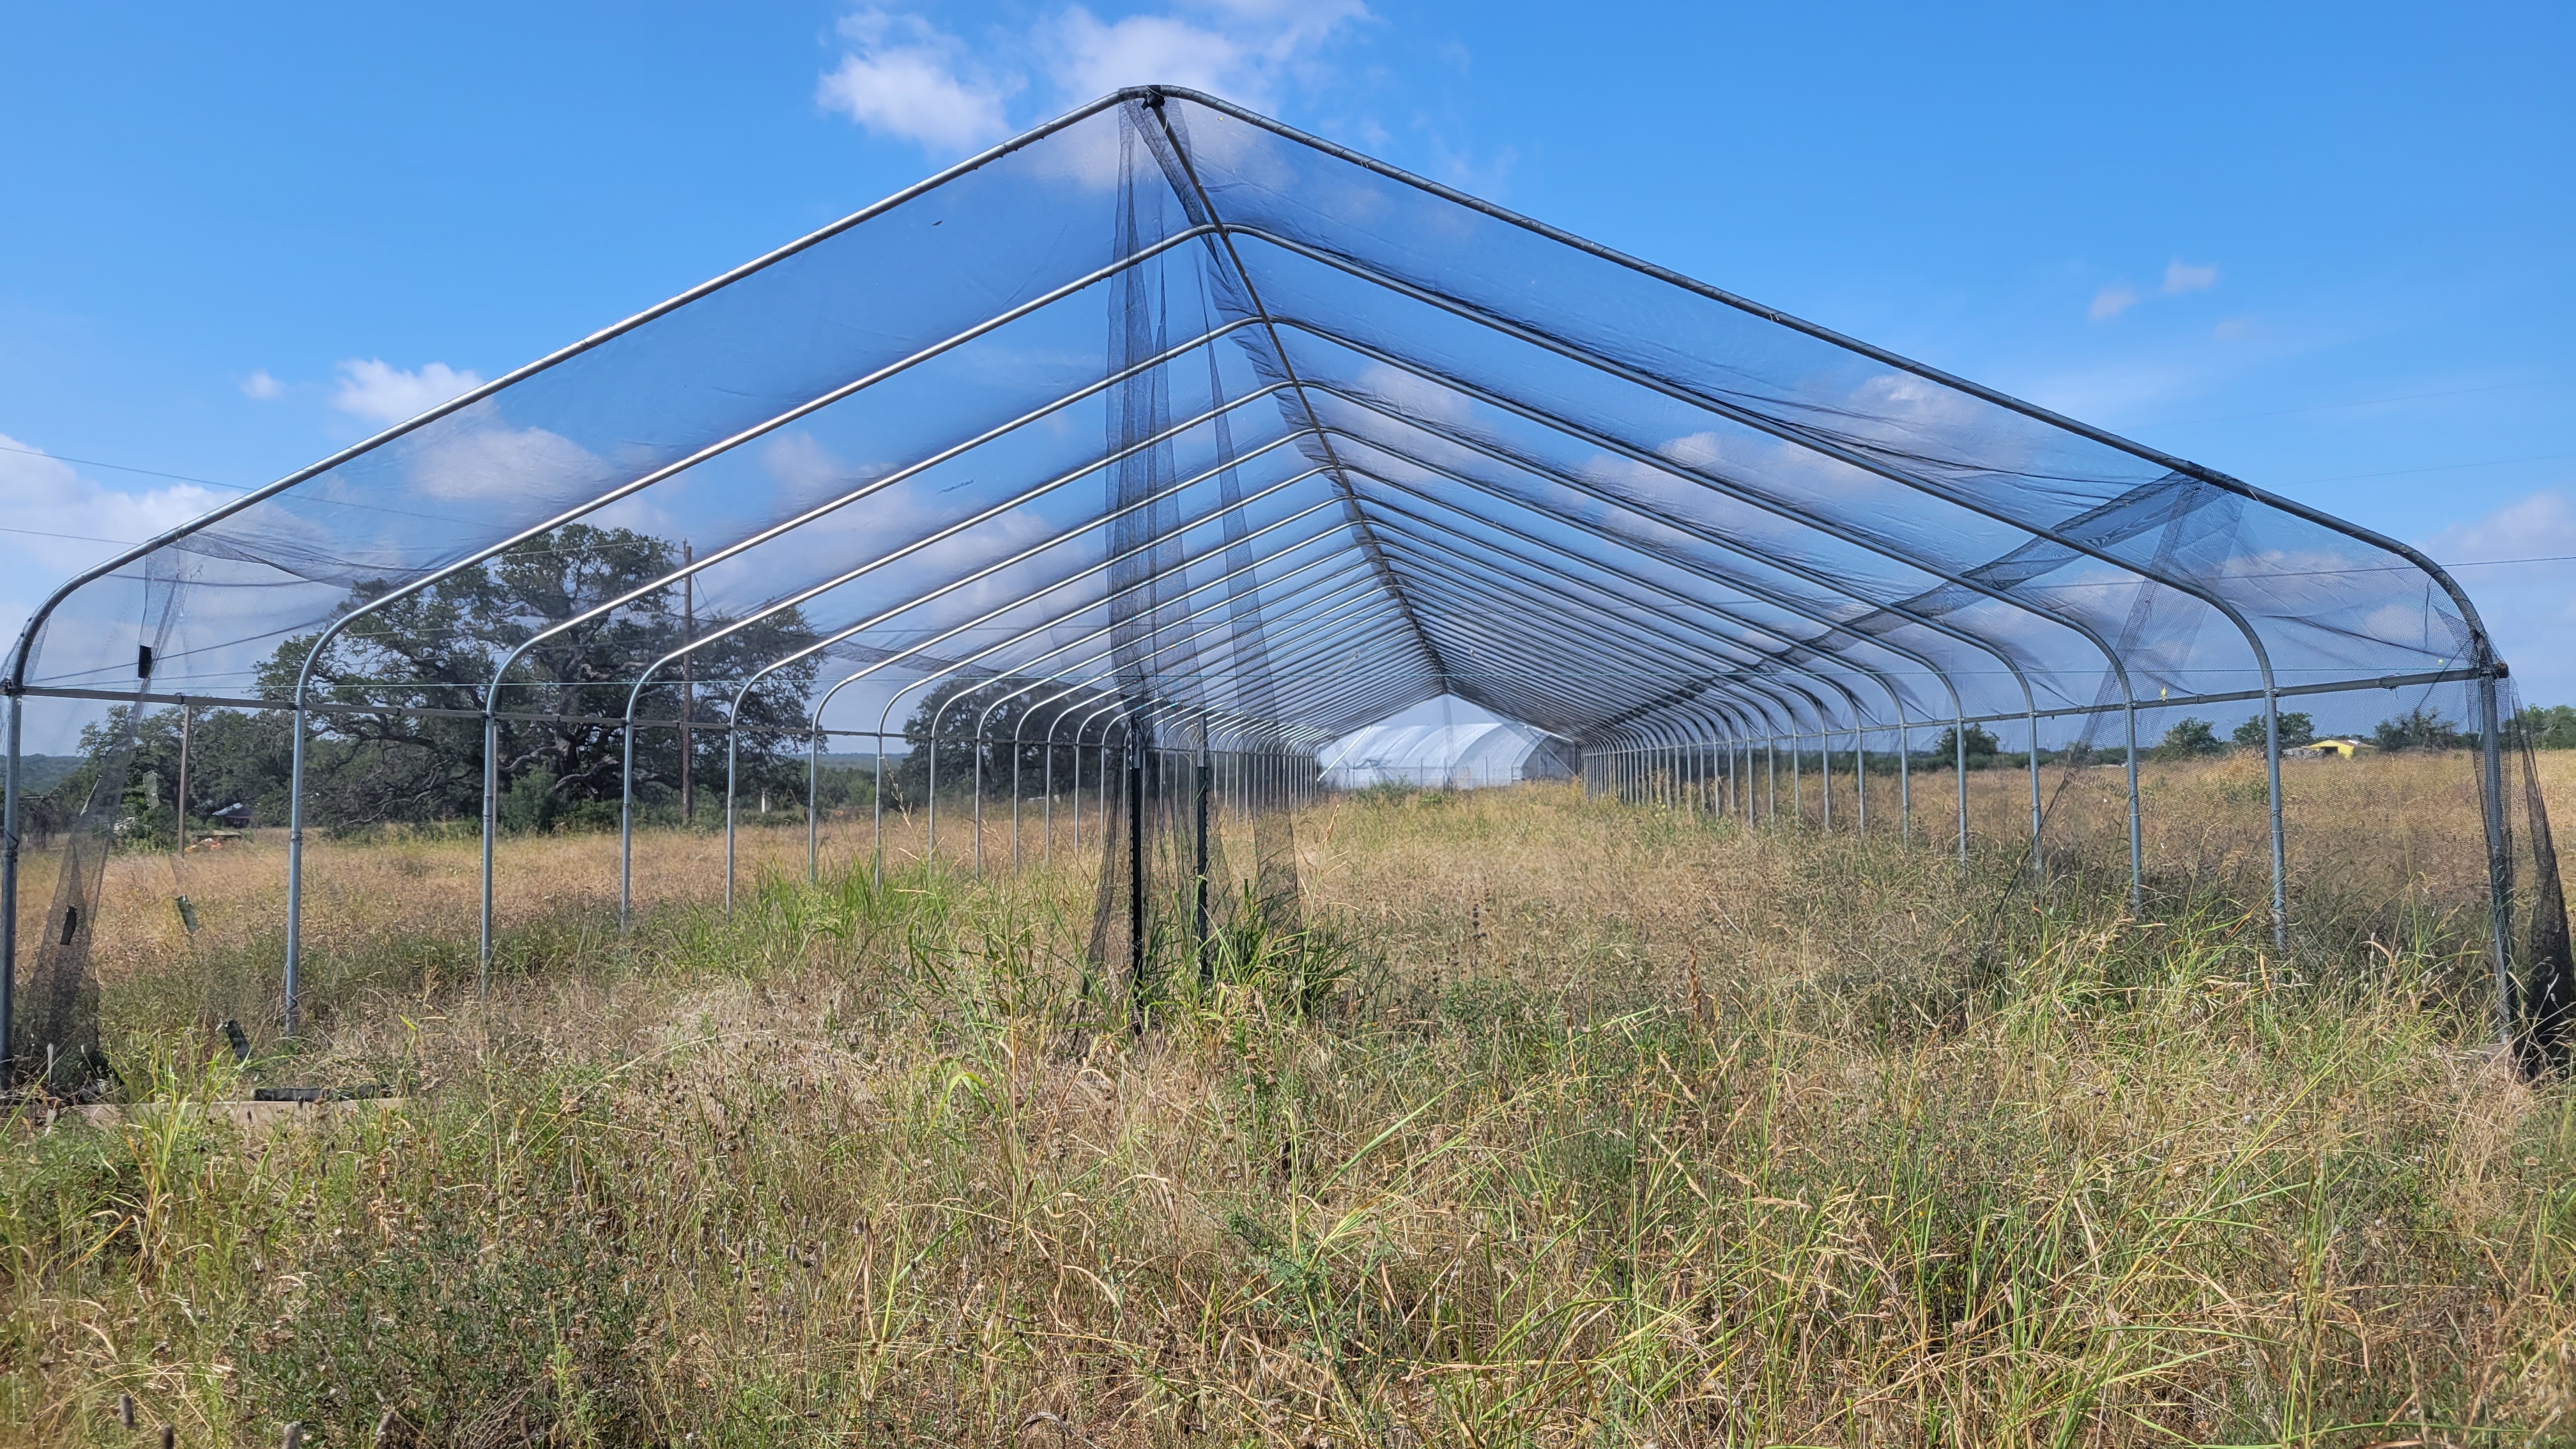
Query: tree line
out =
(2546, 727)
(561, 748)
(560, 745)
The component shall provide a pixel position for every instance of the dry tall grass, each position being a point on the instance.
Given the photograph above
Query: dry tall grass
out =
(1570, 1124)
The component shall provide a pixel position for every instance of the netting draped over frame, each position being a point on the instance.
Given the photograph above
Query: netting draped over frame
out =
(1167, 405)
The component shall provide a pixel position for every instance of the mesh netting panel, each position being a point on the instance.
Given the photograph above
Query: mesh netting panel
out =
(1168, 407)
(2541, 999)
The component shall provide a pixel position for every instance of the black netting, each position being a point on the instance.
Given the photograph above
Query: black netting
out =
(2540, 998)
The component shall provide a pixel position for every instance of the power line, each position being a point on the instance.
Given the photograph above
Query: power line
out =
(2474, 563)
(75, 537)
(2436, 468)
(2360, 403)
(123, 468)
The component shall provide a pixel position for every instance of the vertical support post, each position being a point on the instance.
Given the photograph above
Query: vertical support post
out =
(2038, 857)
(1205, 792)
(689, 687)
(732, 764)
(2499, 854)
(1959, 744)
(876, 809)
(1136, 857)
(491, 830)
(1905, 784)
(187, 729)
(2137, 864)
(2272, 779)
(1825, 774)
(1797, 784)
(975, 742)
(295, 858)
(9, 792)
(626, 826)
(813, 808)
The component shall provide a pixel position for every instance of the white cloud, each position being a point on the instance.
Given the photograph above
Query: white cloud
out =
(262, 386)
(1417, 396)
(60, 522)
(48, 496)
(2231, 328)
(808, 473)
(2542, 523)
(377, 392)
(1246, 51)
(1462, 170)
(1698, 450)
(905, 78)
(2111, 301)
(473, 454)
(2525, 605)
(1089, 58)
(1292, 25)
(2182, 276)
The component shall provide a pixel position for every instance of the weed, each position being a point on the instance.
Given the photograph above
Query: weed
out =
(1556, 1124)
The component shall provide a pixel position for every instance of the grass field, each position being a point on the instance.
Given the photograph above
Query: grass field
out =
(1565, 1124)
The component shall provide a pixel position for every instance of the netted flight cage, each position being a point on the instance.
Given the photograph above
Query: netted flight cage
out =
(1149, 451)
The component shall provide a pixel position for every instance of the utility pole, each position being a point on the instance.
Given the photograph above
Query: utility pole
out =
(688, 686)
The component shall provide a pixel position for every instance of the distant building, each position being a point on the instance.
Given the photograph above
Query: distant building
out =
(2327, 749)
(235, 816)
(1460, 756)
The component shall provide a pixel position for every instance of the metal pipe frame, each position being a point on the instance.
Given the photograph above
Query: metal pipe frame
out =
(1776, 658)
(22, 652)
(1077, 782)
(952, 586)
(1586, 636)
(303, 679)
(1699, 477)
(1797, 438)
(627, 804)
(1751, 498)
(919, 648)
(977, 736)
(1222, 237)
(1055, 675)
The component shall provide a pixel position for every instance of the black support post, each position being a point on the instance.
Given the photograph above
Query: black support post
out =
(1136, 854)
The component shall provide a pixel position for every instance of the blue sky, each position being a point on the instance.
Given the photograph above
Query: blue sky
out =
(2325, 249)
